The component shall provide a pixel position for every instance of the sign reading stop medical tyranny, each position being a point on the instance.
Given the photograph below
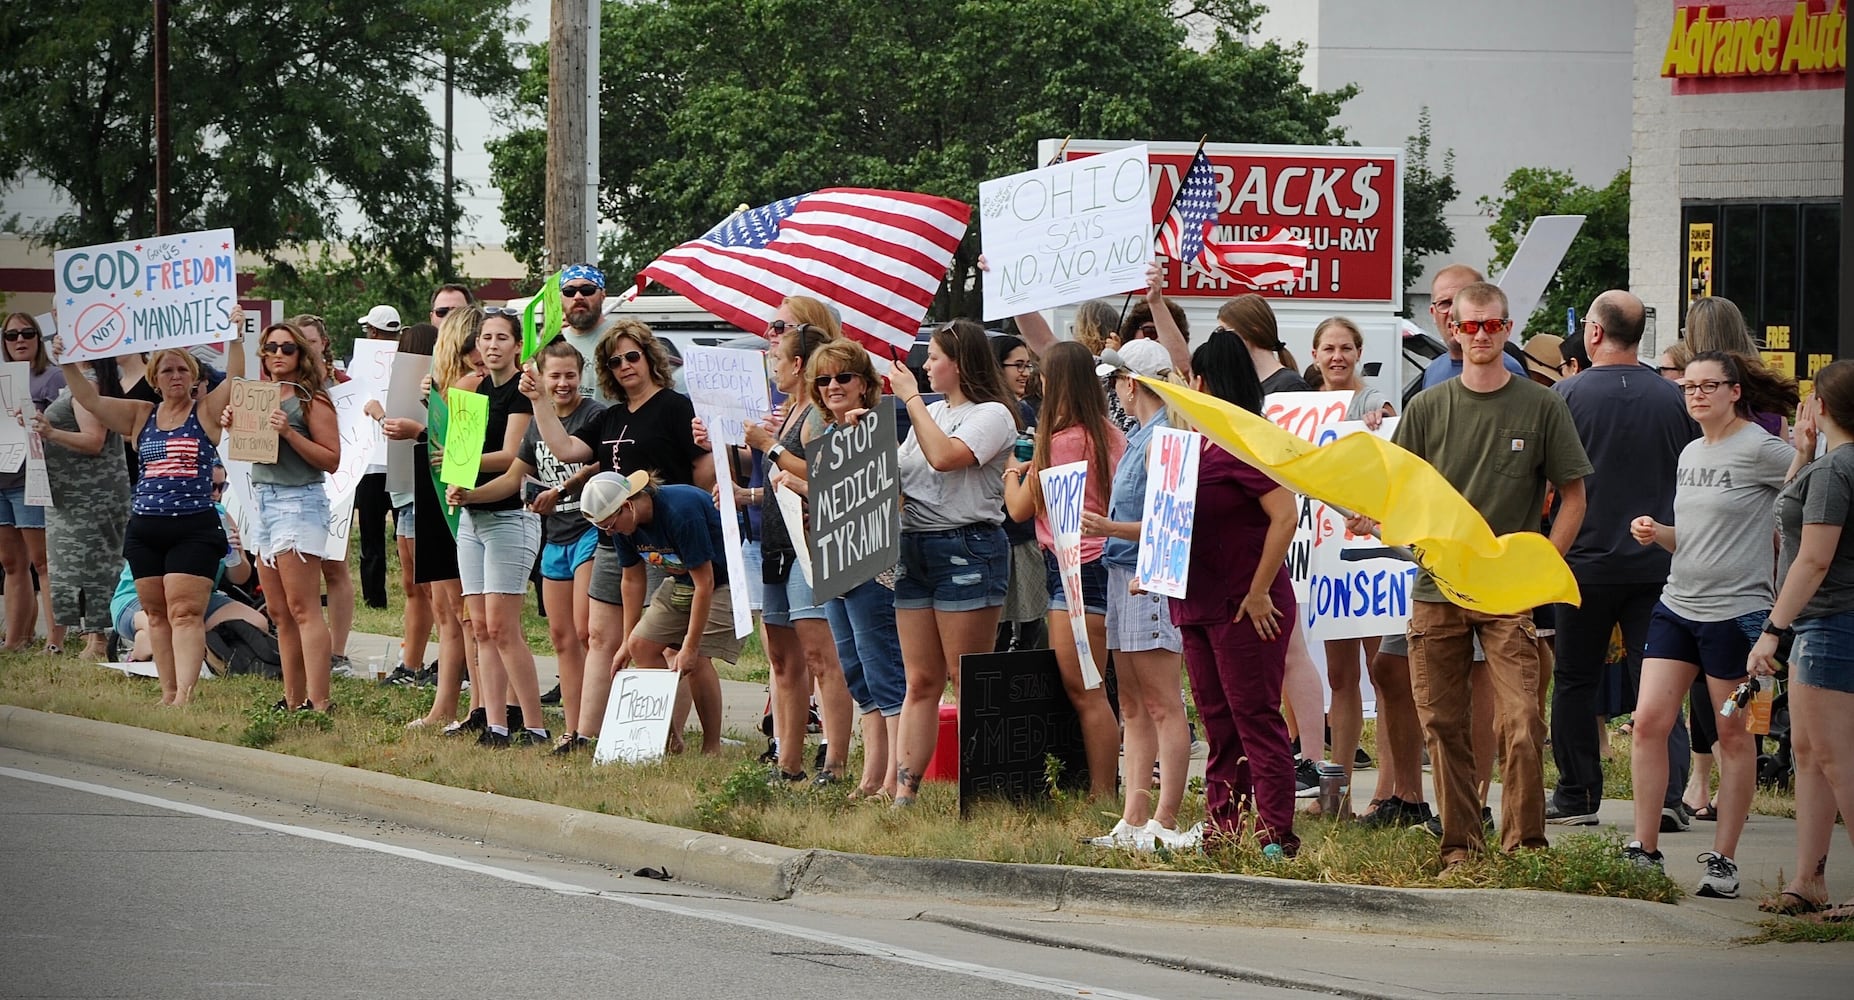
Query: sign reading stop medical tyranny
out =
(855, 505)
(144, 295)
(1345, 203)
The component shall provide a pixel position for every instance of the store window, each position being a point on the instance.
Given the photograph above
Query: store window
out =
(1779, 261)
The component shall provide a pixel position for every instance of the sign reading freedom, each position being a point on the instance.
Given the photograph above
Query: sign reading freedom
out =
(855, 505)
(144, 295)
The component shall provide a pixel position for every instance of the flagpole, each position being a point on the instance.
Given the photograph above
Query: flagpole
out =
(1059, 151)
(1160, 225)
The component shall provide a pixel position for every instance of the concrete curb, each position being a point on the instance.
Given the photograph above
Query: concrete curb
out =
(765, 871)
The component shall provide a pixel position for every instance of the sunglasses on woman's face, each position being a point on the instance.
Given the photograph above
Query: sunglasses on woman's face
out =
(283, 347)
(841, 378)
(12, 335)
(617, 361)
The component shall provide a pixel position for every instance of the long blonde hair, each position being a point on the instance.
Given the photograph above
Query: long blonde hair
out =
(450, 359)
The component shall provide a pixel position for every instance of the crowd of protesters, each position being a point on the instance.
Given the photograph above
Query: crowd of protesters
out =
(1687, 497)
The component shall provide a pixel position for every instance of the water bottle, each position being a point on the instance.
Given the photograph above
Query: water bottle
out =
(1025, 448)
(232, 556)
(1333, 787)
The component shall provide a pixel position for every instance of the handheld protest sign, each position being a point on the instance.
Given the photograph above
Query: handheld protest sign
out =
(438, 432)
(1065, 488)
(855, 505)
(250, 437)
(372, 370)
(1357, 586)
(1171, 502)
(15, 395)
(405, 401)
(792, 509)
(637, 716)
(1067, 232)
(146, 294)
(463, 442)
(357, 430)
(728, 389)
(1014, 716)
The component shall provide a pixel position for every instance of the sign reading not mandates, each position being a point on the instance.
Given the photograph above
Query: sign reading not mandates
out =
(1014, 718)
(855, 505)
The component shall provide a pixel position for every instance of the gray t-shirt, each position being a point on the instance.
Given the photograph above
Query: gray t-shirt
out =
(1724, 555)
(1365, 401)
(934, 500)
(1822, 493)
(566, 523)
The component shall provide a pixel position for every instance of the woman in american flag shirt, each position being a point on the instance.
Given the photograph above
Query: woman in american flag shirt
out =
(175, 540)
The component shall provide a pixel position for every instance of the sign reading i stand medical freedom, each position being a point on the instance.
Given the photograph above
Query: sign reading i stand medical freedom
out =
(1344, 202)
(637, 716)
(250, 438)
(1065, 232)
(855, 505)
(146, 294)
(1171, 501)
(1357, 587)
(1064, 488)
(728, 390)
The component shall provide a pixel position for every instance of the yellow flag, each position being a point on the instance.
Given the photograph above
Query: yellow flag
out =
(1411, 501)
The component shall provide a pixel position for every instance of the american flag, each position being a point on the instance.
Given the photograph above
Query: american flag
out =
(1185, 236)
(878, 256)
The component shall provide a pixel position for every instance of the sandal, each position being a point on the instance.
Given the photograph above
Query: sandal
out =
(1706, 812)
(1791, 904)
(1843, 914)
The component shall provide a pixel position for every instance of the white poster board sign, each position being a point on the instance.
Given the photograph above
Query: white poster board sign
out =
(372, 370)
(405, 399)
(357, 430)
(792, 508)
(1308, 416)
(1065, 233)
(15, 398)
(1065, 488)
(1171, 502)
(146, 294)
(728, 390)
(1534, 264)
(637, 716)
(1356, 586)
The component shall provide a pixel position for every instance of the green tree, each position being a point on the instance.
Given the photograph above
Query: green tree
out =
(1426, 195)
(1598, 258)
(342, 287)
(708, 104)
(280, 112)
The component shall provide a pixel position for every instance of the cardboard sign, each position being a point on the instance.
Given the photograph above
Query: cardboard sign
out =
(1344, 202)
(146, 294)
(637, 716)
(1064, 489)
(1065, 233)
(463, 441)
(406, 400)
(855, 505)
(1356, 586)
(372, 370)
(1171, 502)
(728, 390)
(1013, 716)
(250, 438)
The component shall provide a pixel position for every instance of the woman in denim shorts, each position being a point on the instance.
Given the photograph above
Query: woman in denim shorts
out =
(1718, 593)
(1073, 427)
(950, 583)
(1815, 609)
(22, 525)
(291, 528)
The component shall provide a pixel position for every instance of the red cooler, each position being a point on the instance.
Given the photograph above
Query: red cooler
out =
(945, 763)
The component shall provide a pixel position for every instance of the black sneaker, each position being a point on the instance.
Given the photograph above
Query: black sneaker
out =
(1306, 779)
(1674, 820)
(1560, 816)
(1433, 825)
(817, 763)
(1646, 860)
(1361, 761)
(401, 677)
(340, 666)
(530, 738)
(826, 778)
(569, 745)
(428, 677)
(516, 722)
(1394, 813)
(476, 722)
(280, 706)
(492, 739)
(552, 697)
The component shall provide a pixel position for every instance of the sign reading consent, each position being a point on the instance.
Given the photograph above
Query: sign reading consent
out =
(250, 438)
(855, 505)
(143, 295)
(1066, 232)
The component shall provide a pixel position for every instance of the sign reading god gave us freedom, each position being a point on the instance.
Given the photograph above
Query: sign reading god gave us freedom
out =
(143, 295)
(1066, 233)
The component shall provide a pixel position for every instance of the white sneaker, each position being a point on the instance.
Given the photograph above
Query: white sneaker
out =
(1126, 835)
(1185, 840)
(1721, 878)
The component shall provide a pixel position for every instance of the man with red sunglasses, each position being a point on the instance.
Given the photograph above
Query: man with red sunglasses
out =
(1499, 439)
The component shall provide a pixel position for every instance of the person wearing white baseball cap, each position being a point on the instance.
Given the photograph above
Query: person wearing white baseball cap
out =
(381, 323)
(677, 529)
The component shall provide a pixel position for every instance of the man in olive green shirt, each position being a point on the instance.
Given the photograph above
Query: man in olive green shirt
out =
(1500, 441)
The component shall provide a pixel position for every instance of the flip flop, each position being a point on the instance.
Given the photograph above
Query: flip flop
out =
(1842, 914)
(1791, 904)
(1706, 812)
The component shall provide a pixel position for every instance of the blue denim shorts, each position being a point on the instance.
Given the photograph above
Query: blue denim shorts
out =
(496, 550)
(15, 512)
(782, 604)
(955, 569)
(291, 519)
(560, 560)
(1093, 581)
(405, 523)
(1719, 649)
(1824, 653)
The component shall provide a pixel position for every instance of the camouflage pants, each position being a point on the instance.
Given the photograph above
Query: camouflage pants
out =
(83, 543)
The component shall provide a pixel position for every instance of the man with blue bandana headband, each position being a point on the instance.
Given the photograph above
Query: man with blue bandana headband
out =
(582, 298)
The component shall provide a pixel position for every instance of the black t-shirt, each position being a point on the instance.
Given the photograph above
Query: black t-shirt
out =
(655, 436)
(1633, 424)
(504, 399)
(1285, 380)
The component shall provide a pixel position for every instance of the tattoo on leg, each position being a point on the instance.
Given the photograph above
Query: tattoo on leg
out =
(1821, 866)
(908, 780)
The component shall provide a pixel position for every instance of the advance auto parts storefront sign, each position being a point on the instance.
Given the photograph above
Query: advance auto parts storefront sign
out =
(1749, 45)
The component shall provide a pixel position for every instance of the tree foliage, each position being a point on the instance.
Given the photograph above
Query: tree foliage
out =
(1598, 258)
(1426, 194)
(709, 104)
(342, 287)
(279, 112)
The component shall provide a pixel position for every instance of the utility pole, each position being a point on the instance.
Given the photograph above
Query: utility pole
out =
(164, 145)
(450, 144)
(567, 125)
